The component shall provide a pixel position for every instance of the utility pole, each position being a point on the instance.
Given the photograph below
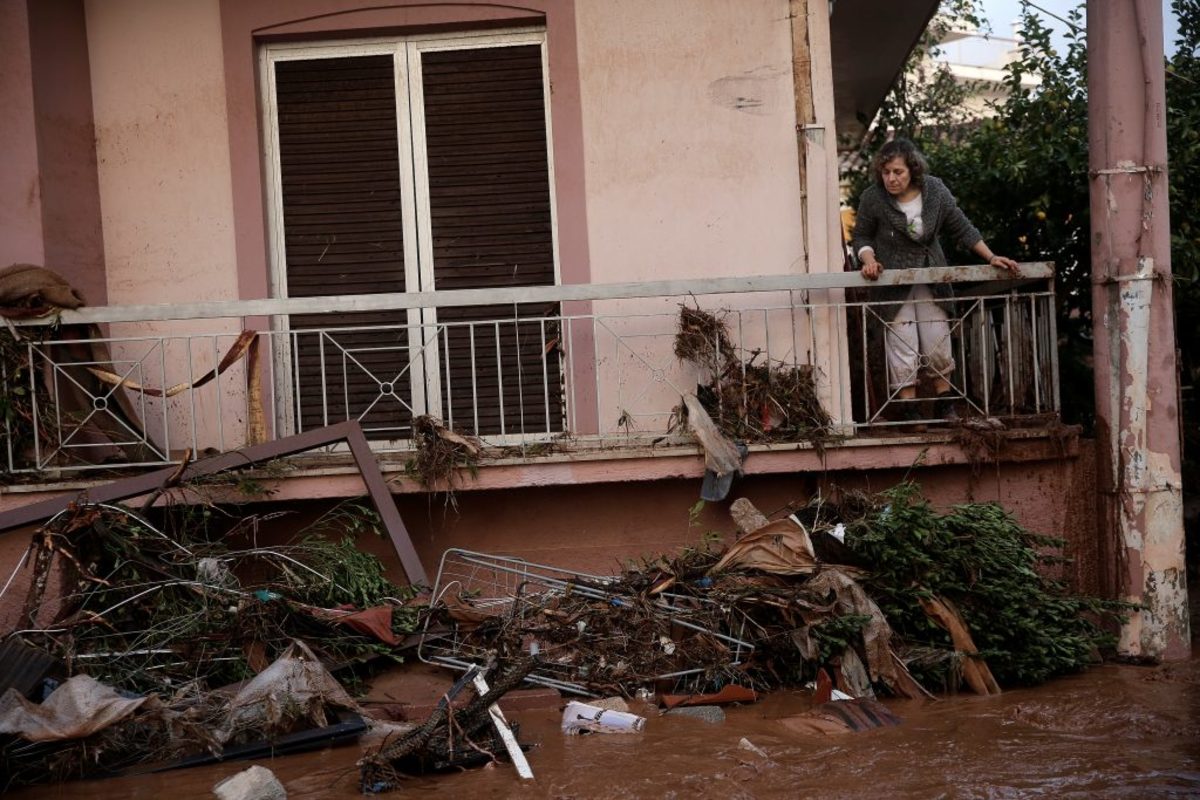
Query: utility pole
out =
(1137, 399)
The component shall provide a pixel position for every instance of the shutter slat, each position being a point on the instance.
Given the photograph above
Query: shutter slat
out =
(343, 218)
(488, 181)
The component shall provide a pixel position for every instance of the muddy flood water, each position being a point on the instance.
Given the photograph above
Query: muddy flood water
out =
(1115, 731)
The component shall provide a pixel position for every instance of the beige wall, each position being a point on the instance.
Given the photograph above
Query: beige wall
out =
(689, 138)
(163, 150)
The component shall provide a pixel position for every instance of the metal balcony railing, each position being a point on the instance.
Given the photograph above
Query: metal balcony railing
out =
(592, 365)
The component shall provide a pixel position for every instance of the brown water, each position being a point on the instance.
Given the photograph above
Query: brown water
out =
(1114, 732)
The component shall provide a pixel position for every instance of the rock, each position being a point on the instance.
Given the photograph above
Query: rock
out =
(256, 783)
(611, 704)
(747, 518)
(712, 714)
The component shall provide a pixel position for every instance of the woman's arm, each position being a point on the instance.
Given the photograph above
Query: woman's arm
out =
(954, 221)
(983, 251)
(958, 226)
(866, 225)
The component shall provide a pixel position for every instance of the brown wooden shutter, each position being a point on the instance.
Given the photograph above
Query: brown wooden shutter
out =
(489, 188)
(340, 172)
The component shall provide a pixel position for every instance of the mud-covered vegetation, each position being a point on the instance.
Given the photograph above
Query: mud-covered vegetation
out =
(1028, 627)
(749, 399)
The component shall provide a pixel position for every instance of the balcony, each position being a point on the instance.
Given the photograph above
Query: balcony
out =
(549, 373)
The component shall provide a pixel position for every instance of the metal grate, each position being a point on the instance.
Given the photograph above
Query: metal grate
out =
(478, 594)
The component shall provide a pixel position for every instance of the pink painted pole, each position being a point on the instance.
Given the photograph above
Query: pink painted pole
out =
(1137, 413)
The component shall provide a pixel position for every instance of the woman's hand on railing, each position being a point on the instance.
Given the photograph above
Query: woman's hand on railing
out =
(1002, 262)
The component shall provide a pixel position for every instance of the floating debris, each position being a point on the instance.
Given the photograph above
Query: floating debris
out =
(448, 739)
(586, 718)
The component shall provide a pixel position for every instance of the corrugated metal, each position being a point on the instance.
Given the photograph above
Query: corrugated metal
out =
(343, 222)
(489, 187)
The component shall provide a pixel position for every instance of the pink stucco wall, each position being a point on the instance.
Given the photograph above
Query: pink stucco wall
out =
(690, 139)
(158, 88)
(598, 527)
(49, 201)
(20, 192)
(74, 243)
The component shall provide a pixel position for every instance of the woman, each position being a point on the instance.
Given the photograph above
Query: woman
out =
(900, 217)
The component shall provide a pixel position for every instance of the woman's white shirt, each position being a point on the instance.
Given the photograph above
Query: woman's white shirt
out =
(916, 223)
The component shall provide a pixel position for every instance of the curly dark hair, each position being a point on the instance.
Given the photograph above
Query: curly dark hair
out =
(913, 158)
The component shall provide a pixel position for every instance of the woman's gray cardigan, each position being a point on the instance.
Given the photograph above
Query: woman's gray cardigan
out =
(881, 224)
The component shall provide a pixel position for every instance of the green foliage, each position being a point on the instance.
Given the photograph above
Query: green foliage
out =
(154, 610)
(1183, 144)
(1026, 625)
(350, 575)
(837, 634)
(1021, 175)
(17, 413)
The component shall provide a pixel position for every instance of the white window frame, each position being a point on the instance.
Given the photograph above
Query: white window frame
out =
(406, 53)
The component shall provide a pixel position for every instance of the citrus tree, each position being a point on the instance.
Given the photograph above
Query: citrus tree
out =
(1183, 146)
(1021, 174)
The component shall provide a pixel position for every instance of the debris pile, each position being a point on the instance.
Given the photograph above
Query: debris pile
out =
(764, 614)
(192, 646)
(590, 634)
(910, 599)
(440, 453)
(157, 625)
(86, 728)
(151, 612)
(749, 401)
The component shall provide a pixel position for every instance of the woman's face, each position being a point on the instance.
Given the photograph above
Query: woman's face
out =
(896, 178)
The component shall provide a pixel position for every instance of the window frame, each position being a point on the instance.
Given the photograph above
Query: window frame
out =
(406, 50)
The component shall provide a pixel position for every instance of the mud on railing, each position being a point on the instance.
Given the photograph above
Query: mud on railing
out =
(530, 368)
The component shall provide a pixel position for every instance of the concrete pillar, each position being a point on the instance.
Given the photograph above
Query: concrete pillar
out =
(20, 189)
(1137, 412)
(49, 195)
(73, 240)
